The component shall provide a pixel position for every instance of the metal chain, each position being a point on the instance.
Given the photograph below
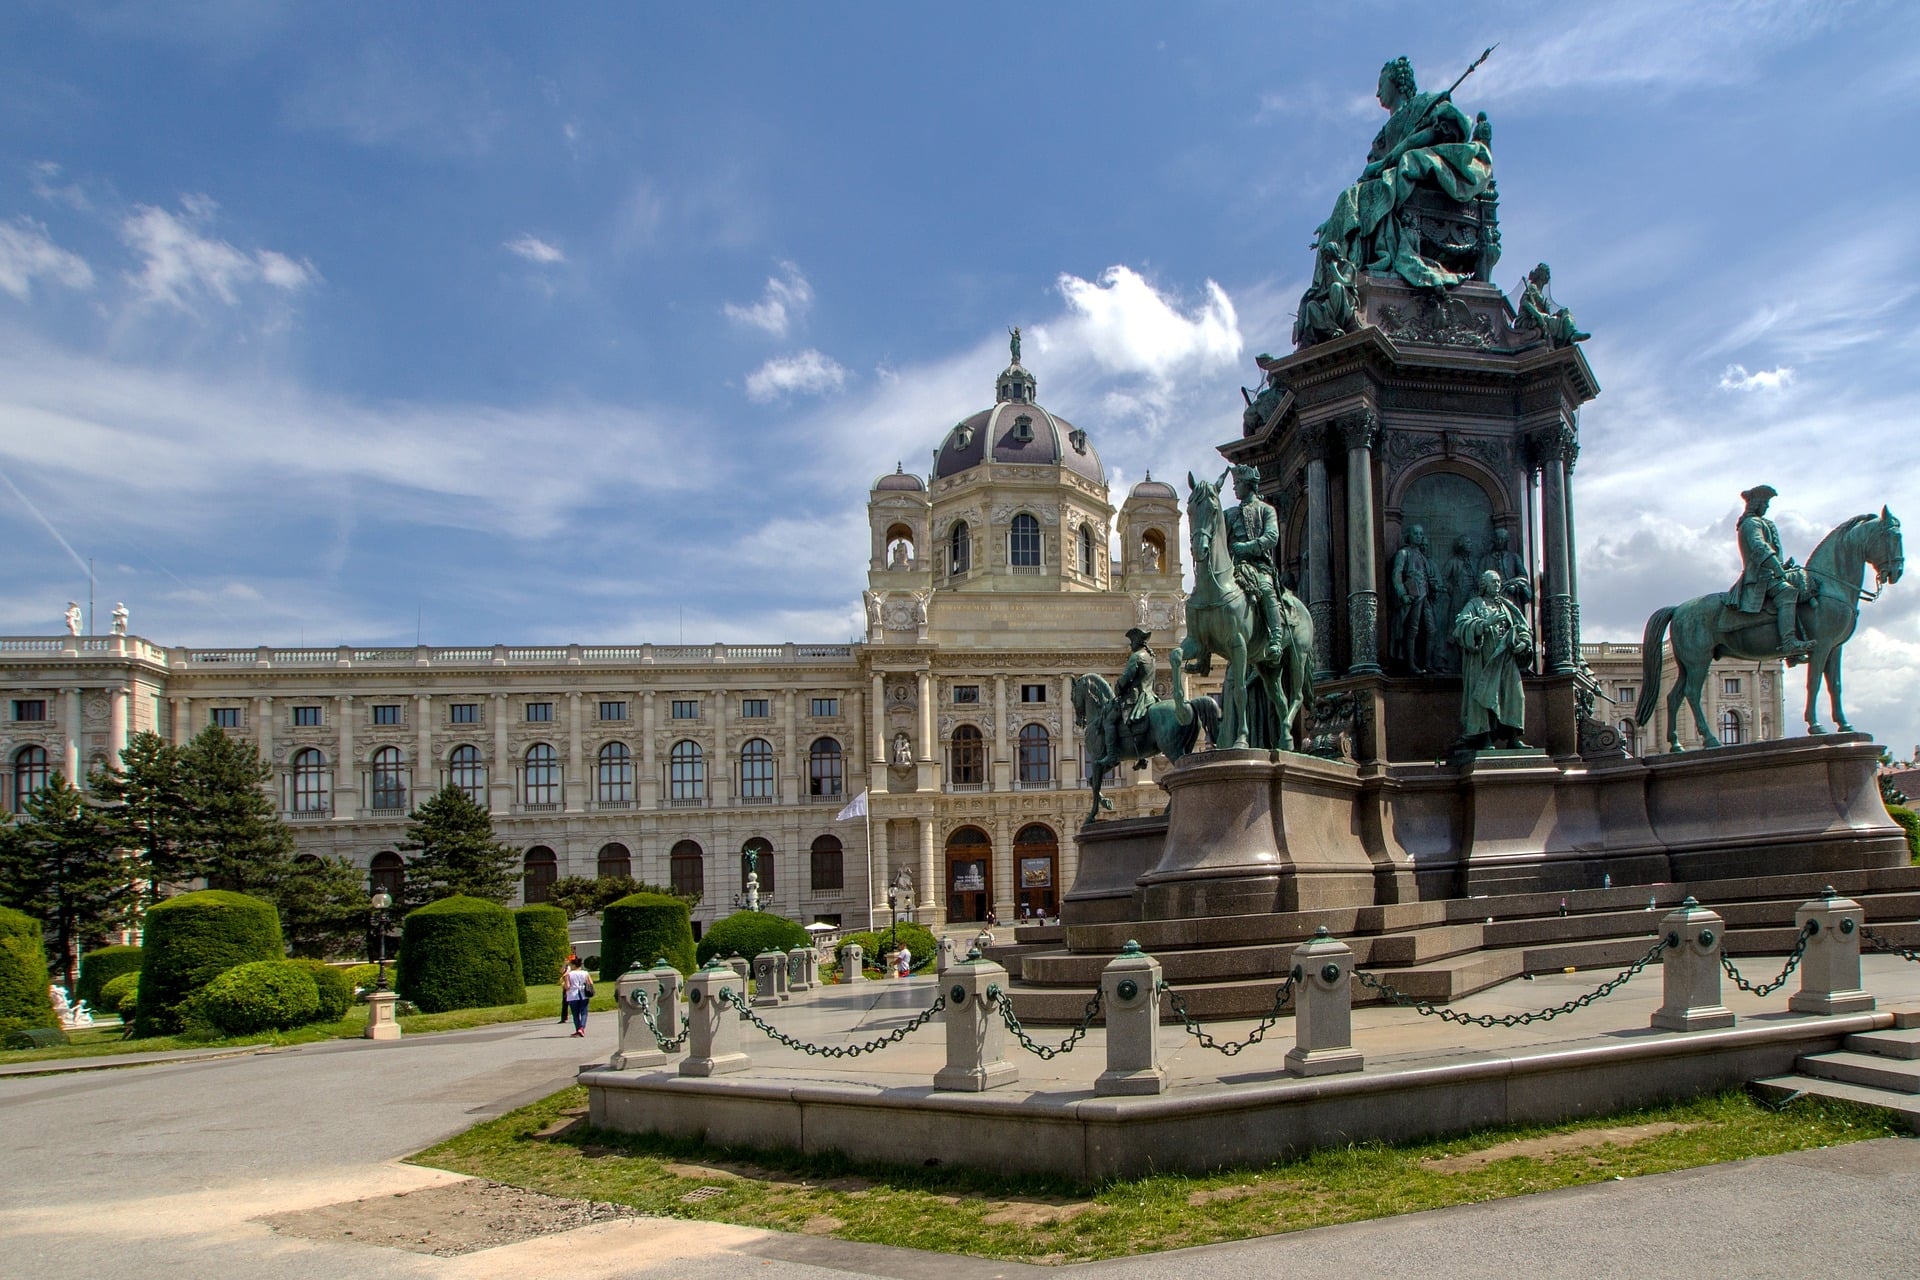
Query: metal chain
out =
(1228, 1047)
(1428, 1008)
(1768, 988)
(1020, 1033)
(729, 996)
(668, 1044)
(1879, 943)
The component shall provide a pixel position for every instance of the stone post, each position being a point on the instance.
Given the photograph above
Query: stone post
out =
(712, 1038)
(381, 1024)
(799, 970)
(943, 957)
(1130, 990)
(853, 962)
(976, 1037)
(1830, 968)
(637, 1046)
(738, 963)
(769, 974)
(1360, 431)
(670, 981)
(1691, 969)
(1322, 1008)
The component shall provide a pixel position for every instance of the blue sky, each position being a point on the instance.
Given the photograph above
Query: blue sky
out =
(512, 323)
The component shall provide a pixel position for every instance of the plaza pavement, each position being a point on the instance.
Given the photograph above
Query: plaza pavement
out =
(159, 1170)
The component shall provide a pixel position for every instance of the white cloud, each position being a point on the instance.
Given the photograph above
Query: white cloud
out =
(181, 265)
(45, 174)
(787, 298)
(808, 374)
(27, 253)
(536, 250)
(1736, 378)
(1129, 327)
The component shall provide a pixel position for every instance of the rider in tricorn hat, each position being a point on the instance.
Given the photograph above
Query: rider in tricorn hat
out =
(1133, 693)
(1765, 580)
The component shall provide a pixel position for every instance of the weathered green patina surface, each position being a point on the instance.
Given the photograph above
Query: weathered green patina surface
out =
(1494, 641)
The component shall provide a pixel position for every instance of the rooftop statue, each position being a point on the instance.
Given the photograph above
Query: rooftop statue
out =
(1775, 609)
(1013, 343)
(1539, 315)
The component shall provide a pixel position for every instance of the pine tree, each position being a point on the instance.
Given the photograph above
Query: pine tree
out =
(234, 832)
(323, 904)
(147, 793)
(60, 862)
(457, 853)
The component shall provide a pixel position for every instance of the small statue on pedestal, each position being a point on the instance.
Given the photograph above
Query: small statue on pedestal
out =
(1494, 643)
(1538, 314)
(1413, 621)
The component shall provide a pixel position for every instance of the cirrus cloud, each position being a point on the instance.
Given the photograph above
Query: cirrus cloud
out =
(808, 373)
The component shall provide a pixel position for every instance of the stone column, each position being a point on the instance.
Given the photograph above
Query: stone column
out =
(926, 716)
(500, 774)
(1000, 762)
(574, 785)
(1690, 969)
(116, 726)
(1360, 432)
(649, 793)
(346, 772)
(929, 875)
(976, 1035)
(1830, 969)
(1322, 1008)
(1130, 990)
(879, 713)
(1066, 773)
(713, 1039)
(1319, 584)
(71, 722)
(421, 780)
(181, 717)
(794, 768)
(1553, 447)
(720, 776)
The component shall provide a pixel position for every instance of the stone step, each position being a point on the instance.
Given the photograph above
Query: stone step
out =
(1902, 1043)
(1781, 1088)
(1161, 936)
(1394, 950)
(1867, 1069)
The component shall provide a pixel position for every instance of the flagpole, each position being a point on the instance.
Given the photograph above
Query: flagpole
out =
(868, 815)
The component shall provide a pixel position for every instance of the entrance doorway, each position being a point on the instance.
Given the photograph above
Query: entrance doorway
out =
(1036, 864)
(969, 875)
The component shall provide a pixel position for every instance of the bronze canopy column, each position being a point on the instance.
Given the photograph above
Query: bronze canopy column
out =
(1553, 447)
(1361, 431)
(1319, 583)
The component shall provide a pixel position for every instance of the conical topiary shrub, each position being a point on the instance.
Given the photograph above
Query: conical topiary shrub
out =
(190, 940)
(460, 953)
(24, 999)
(748, 933)
(543, 942)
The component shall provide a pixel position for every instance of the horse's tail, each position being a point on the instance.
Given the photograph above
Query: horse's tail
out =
(1206, 710)
(1650, 663)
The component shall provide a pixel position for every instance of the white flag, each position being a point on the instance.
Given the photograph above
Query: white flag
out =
(856, 808)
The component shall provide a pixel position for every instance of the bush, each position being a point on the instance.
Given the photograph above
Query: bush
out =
(264, 995)
(543, 942)
(331, 985)
(24, 1000)
(363, 975)
(644, 928)
(120, 995)
(192, 939)
(460, 953)
(1910, 821)
(916, 938)
(749, 933)
(98, 968)
(31, 1037)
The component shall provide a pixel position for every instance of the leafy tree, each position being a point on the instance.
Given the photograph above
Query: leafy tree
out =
(1890, 795)
(149, 807)
(60, 863)
(581, 896)
(234, 829)
(457, 854)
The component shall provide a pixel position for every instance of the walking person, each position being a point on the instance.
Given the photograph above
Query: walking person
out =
(572, 962)
(575, 990)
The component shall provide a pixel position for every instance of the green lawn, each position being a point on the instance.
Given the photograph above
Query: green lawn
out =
(549, 1147)
(542, 1002)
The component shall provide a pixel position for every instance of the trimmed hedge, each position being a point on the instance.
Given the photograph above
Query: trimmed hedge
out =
(121, 996)
(1910, 821)
(645, 927)
(33, 1038)
(98, 968)
(365, 975)
(264, 995)
(749, 933)
(193, 938)
(331, 985)
(24, 1000)
(544, 947)
(916, 938)
(460, 953)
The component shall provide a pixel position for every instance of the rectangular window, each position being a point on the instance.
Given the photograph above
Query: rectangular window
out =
(686, 709)
(1033, 693)
(613, 711)
(387, 713)
(306, 717)
(540, 712)
(1625, 695)
(225, 717)
(463, 713)
(29, 709)
(824, 707)
(753, 708)
(1730, 686)
(966, 693)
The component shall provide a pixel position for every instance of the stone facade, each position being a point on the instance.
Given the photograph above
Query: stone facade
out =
(1752, 693)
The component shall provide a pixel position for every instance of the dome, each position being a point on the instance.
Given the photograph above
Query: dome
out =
(900, 480)
(1151, 488)
(1017, 431)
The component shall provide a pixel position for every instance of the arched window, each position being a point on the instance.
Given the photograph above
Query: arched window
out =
(1086, 551)
(387, 874)
(829, 865)
(1023, 542)
(389, 779)
(1630, 737)
(542, 779)
(614, 860)
(29, 774)
(966, 757)
(959, 548)
(466, 774)
(686, 772)
(614, 775)
(1036, 755)
(1729, 728)
(1036, 865)
(686, 869)
(542, 869)
(756, 769)
(762, 868)
(826, 768)
(1153, 551)
(309, 782)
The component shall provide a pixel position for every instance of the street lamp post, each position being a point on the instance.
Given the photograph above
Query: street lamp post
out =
(382, 900)
(381, 1022)
(893, 905)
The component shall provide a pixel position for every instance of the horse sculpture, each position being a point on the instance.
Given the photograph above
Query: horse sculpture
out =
(1171, 727)
(1261, 703)
(1708, 627)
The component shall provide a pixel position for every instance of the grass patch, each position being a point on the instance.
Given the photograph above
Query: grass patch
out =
(550, 1147)
(542, 1002)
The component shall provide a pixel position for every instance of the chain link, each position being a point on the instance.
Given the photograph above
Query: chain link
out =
(1878, 943)
(729, 996)
(1768, 988)
(1427, 1008)
(1228, 1047)
(1020, 1033)
(667, 1044)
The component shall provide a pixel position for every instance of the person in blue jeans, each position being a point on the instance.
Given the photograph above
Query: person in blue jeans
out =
(576, 988)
